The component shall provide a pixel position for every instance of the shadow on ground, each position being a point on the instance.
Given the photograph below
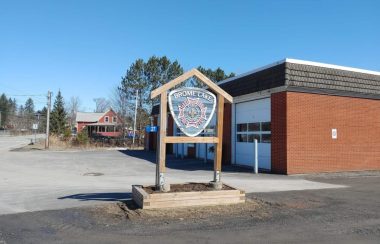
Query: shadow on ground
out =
(106, 197)
(188, 164)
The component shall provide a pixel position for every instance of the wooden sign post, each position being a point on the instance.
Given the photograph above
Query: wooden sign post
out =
(222, 96)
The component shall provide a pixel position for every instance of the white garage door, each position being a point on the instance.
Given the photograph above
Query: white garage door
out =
(253, 122)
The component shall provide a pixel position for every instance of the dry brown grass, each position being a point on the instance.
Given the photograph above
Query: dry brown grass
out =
(57, 143)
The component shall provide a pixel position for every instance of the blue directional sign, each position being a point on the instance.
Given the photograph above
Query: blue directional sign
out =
(149, 128)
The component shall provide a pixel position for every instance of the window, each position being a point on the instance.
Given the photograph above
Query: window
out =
(253, 126)
(241, 127)
(252, 137)
(266, 138)
(242, 138)
(248, 132)
(114, 119)
(106, 119)
(265, 126)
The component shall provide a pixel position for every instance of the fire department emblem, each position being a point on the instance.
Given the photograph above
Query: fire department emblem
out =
(192, 109)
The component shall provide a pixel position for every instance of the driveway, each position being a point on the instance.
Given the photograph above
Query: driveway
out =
(46, 180)
(344, 215)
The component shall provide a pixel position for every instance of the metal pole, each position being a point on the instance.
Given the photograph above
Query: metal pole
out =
(256, 158)
(205, 159)
(134, 126)
(158, 161)
(35, 130)
(0, 122)
(48, 120)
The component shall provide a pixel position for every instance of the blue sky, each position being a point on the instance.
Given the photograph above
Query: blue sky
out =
(84, 47)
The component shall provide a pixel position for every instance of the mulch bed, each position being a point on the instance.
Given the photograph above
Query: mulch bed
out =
(188, 187)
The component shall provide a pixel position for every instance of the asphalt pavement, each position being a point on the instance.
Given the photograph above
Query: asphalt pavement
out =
(342, 215)
(45, 180)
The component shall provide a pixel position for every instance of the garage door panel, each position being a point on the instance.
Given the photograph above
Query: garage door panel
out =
(257, 111)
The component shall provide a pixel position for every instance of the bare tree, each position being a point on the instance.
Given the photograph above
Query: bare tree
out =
(101, 105)
(72, 107)
(119, 102)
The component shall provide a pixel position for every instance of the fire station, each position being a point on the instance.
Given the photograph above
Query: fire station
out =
(308, 117)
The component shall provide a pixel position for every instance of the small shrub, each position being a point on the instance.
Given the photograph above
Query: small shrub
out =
(82, 137)
(67, 134)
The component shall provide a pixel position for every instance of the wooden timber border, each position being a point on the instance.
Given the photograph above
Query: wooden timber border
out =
(186, 199)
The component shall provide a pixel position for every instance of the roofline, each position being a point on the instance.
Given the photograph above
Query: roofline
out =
(101, 115)
(304, 62)
(332, 66)
(104, 114)
(252, 71)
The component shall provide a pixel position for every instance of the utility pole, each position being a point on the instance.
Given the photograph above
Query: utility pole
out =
(48, 120)
(0, 120)
(134, 126)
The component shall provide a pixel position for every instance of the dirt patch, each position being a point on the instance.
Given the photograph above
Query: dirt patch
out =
(186, 188)
(251, 208)
(114, 213)
(107, 214)
(128, 210)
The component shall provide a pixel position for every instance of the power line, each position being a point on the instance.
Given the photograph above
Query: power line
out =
(25, 95)
(36, 97)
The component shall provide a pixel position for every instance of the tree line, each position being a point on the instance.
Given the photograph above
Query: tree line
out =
(22, 117)
(140, 79)
(18, 117)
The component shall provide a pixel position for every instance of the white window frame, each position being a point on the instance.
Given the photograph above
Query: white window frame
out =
(106, 119)
(246, 132)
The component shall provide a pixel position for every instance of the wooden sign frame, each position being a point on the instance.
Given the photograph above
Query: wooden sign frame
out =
(163, 139)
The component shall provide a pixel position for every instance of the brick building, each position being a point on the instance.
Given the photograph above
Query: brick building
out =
(308, 117)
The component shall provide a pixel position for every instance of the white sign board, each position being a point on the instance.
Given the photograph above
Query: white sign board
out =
(334, 133)
(35, 127)
(192, 109)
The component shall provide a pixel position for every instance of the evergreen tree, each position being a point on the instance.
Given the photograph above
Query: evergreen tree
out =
(12, 106)
(147, 76)
(58, 115)
(29, 107)
(8, 108)
(20, 111)
(4, 107)
(215, 75)
(144, 77)
(42, 122)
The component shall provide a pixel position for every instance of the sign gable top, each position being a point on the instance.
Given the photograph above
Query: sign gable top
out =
(194, 72)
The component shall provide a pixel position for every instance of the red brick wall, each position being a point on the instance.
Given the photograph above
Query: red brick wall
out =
(309, 146)
(278, 127)
(226, 148)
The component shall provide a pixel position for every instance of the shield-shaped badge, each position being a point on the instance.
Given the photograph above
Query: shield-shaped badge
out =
(192, 109)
